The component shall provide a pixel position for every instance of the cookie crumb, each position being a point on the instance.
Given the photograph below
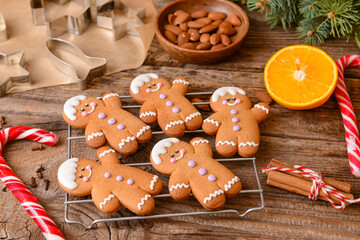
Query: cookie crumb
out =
(2, 120)
(4, 189)
(39, 175)
(33, 182)
(47, 184)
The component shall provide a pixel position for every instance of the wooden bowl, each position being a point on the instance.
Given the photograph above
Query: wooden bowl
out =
(202, 56)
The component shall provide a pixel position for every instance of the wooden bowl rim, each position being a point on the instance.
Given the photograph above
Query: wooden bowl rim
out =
(177, 47)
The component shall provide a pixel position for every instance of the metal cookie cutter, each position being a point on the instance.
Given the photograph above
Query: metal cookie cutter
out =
(96, 67)
(64, 24)
(13, 72)
(3, 31)
(106, 19)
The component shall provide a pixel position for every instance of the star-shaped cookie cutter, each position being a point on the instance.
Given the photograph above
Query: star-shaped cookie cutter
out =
(64, 24)
(106, 19)
(15, 62)
(96, 66)
(3, 31)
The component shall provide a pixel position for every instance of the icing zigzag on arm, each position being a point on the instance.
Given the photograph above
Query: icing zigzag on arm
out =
(142, 130)
(182, 185)
(212, 121)
(106, 200)
(200, 141)
(231, 182)
(147, 196)
(93, 135)
(262, 107)
(173, 123)
(244, 144)
(106, 152)
(225, 142)
(150, 113)
(191, 116)
(153, 181)
(214, 194)
(181, 81)
(126, 140)
(110, 95)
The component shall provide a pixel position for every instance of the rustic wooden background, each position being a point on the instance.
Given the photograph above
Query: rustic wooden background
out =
(314, 138)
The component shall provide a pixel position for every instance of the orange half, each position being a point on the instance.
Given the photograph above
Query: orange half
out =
(300, 77)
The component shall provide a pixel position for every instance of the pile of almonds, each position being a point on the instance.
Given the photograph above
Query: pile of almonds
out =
(201, 30)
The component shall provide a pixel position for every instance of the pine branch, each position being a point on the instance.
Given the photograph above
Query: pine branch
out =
(282, 11)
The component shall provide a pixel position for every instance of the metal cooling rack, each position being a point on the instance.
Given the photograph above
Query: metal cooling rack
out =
(259, 190)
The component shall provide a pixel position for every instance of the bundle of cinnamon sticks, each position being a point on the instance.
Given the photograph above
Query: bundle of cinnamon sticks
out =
(302, 185)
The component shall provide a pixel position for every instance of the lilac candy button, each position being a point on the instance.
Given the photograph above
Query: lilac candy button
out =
(211, 178)
(169, 103)
(119, 178)
(235, 120)
(102, 115)
(121, 126)
(233, 112)
(202, 171)
(107, 175)
(130, 182)
(111, 121)
(236, 128)
(176, 110)
(162, 96)
(192, 163)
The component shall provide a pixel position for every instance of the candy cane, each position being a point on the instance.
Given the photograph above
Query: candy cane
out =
(17, 187)
(348, 114)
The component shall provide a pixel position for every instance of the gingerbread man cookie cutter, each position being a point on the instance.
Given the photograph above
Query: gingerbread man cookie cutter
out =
(96, 66)
(106, 19)
(3, 30)
(64, 24)
(14, 72)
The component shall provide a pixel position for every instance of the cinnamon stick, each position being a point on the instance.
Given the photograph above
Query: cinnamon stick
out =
(298, 185)
(341, 186)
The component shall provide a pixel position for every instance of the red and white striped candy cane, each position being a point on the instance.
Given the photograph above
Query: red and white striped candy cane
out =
(348, 114)
(17, 187)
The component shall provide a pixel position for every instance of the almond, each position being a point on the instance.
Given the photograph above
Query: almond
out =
(217, 15)
(170, 36)
(264, 97)
(214, 39)
(178, 12)
(204, 20)
(217, 47)
(183, 38)
(235, 20)
(205, 37)
(225, 39)
(216, 23)
(203, 46)
(188, 45)
(199, 14)
(200, 107)
(194, 34)
(172, 28)
(171, 18)
(193, 24)
(181, 17)
(183, 27)
(208, 28)
(226, 28)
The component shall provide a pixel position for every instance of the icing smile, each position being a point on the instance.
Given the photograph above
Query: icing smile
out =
(92, 104)
(182, 152)
(87, 178)
(236, 101)
(149, 90)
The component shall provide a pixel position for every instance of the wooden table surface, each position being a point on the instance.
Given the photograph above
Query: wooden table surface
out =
(314, 138)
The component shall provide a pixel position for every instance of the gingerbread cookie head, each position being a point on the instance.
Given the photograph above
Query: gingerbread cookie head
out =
(229, 98)
(146, 84)
(168, 154)
(74, 176)
(78, 110)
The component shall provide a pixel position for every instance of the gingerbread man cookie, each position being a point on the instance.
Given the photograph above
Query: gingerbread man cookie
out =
(110, 183)
(165, 103)
(234, 122)
(105, 120)
(192, 169)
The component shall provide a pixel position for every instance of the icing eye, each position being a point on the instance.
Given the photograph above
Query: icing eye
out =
(82, 169)
(86, 105)
(172, 155)
(99, 98)
(153, 84)
(149, 86)
(234, 98)
(176, 151)
(80, 176)
(82, 109)
(227, 99)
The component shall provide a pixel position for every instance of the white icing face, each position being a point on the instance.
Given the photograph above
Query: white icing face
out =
(67, 173)
(160, 148)
(140, 80)
(70, 104)
(225, 90)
